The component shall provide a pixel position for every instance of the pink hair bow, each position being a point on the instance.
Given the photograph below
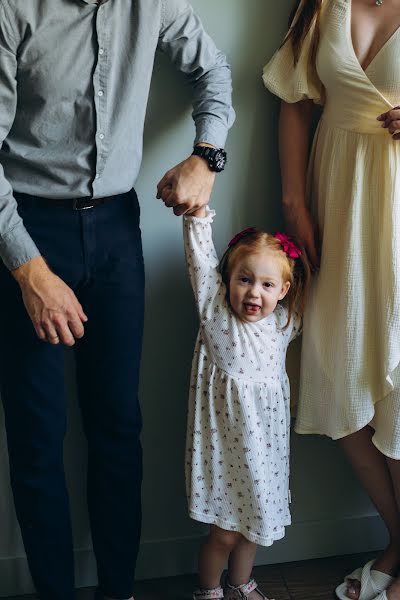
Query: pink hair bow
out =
(288, 246)
(241, 235)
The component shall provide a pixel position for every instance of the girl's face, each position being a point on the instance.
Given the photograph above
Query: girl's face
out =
(256, 286)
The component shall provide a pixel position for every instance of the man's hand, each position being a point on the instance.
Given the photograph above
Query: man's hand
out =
(188, 186)
(56, 314)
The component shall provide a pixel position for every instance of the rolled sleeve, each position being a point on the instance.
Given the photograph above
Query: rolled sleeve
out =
(190, 48)
(16, 245)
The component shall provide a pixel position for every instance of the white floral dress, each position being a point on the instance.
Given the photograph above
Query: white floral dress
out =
(237, 455)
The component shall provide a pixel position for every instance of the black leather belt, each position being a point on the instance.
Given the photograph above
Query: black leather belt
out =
(84, 203)
(72, 203)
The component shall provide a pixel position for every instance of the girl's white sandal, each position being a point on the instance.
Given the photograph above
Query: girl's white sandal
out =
(243, 591)
(215, 594)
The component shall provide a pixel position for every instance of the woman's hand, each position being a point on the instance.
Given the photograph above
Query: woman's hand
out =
(299, 224)
(391, 122)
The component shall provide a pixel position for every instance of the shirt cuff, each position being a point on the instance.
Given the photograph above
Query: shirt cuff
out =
(17, 248)
(211, 131)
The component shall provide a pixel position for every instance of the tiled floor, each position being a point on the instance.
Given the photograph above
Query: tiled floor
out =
(305, 580)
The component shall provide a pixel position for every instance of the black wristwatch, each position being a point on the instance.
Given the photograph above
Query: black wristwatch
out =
(216, 157)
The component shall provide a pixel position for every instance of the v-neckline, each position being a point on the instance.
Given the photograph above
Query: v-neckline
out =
(350, 32)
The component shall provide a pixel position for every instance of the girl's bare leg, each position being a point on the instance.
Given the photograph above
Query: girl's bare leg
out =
(241, 562)
(214, 555)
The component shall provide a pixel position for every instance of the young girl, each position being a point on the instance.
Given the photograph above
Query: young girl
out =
(237, 466)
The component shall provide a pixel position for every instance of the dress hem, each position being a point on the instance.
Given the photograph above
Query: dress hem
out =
(304, 431)
(227, 526)
(387, 453)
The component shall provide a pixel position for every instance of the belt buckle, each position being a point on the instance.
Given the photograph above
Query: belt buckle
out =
(76, 207)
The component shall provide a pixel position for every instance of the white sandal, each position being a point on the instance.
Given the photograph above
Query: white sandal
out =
(215, 594)
(241, 592)
(373, 583)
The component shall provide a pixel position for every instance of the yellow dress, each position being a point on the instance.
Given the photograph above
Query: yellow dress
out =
(350, 373)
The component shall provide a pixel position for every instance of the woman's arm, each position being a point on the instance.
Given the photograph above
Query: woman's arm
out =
(294, 134)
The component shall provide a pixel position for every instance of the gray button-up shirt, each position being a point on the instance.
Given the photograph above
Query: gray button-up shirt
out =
(74, 84)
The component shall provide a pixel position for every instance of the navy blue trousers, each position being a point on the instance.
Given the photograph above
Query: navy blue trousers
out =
(98, 253)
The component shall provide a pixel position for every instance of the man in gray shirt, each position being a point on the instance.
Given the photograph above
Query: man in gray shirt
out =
(74, 83)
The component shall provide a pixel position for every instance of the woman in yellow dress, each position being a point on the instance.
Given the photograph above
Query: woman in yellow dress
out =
(343, 204)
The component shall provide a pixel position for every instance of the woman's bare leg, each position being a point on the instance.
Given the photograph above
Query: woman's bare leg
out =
(372, 469)
(393, 593)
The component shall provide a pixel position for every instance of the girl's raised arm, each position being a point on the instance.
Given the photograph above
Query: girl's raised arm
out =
(202, 260)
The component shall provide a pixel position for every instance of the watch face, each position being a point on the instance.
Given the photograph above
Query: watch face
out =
(219, 160)
(215, 157)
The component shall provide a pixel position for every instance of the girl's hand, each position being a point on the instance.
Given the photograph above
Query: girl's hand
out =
(300, 225)
(391, 122)
(201, 213)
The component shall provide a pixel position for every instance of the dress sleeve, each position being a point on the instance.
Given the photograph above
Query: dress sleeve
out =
(290, 82)
(202, 261)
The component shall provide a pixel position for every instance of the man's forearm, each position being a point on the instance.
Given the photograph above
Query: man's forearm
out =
(190, 48)
(212, 104)
(26, 272)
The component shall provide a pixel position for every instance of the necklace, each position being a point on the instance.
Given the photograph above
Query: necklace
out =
(378, 2)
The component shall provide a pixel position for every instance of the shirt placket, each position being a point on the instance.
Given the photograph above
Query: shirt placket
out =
(100, 86)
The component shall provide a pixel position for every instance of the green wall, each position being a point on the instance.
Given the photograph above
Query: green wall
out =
(331, 515)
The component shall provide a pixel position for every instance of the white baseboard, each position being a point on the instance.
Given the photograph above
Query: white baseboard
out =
(170, 557)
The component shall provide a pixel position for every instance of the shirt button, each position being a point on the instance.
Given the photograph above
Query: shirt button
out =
(100, 93)
(101, 51)
(97, 176)
(101, 136)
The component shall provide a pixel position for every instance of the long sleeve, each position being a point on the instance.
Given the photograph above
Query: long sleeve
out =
(202, 260)
(16, 245)
(183, 39)
(290, 82)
